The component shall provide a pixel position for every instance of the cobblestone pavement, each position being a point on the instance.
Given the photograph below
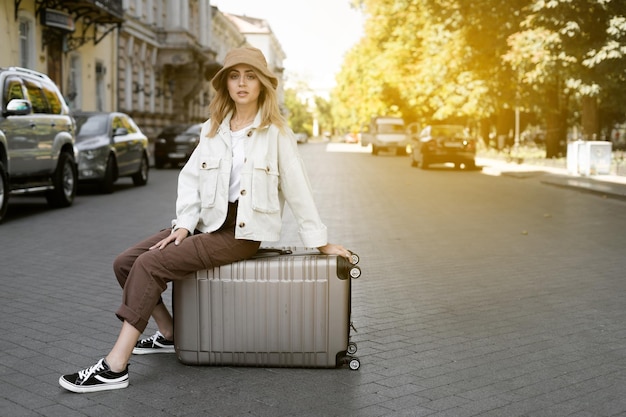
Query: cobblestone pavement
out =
(481, 295)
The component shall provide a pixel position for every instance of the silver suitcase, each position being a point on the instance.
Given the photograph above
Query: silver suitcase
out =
(286, 307)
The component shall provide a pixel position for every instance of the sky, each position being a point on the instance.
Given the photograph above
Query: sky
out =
(314, 34)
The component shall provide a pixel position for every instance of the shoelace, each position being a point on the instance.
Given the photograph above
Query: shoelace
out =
(152, 338)
(86, 373)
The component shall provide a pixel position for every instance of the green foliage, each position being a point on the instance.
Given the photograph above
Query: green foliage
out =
(476, 61)
(299, 118)
(323, 114)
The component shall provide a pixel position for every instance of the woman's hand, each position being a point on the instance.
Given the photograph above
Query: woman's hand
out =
(333, 249)
(176, 236)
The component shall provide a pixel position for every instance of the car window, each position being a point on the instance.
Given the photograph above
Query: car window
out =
(173, 129)
(36, 97)
(390, 128)
(117, 123)
(12, 90)
(129, 125)
(194, 130)
(92, 125)
(56, 107)
(449, 131)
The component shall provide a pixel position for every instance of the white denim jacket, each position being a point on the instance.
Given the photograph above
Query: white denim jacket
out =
(273, 172)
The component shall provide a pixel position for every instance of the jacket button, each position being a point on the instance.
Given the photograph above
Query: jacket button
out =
(242, 224)
(249, 133)
(243, 192)
(204, 165)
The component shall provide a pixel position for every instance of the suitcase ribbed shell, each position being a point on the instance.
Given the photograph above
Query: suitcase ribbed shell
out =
(292, 309)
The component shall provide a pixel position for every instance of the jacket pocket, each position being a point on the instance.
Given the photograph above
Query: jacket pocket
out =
(209, 174)
(265, 187)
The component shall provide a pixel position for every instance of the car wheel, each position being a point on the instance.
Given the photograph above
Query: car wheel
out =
(64, 182)
(401, 151)
(159, 163)
(425, 162)
(141, 176)
(4, 191)
(106, 185)
(374, 149)
(471, 164)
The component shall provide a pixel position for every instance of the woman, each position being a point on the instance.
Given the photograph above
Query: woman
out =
(230, 198)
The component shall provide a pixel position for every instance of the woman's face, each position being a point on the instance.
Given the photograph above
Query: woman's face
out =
(243, 85)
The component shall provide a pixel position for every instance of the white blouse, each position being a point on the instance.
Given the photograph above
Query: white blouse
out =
(238, 150)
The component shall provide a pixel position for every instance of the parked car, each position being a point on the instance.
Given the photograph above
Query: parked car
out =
(36, 139)
(302, 137)
(175, 144)
(110, 145)
(351, 137)
(437, 144)
(385, 133)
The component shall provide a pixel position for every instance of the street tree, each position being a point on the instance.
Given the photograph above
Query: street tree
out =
(479, 61)
(299, 117)
(571, 55)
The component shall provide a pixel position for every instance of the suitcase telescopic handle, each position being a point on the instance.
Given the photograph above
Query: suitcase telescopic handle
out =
(265, 252)
(346, 269)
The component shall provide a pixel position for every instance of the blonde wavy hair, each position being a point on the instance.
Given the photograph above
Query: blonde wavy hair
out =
(222, 104)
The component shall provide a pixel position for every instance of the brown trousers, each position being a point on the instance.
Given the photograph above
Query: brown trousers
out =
(144, 273)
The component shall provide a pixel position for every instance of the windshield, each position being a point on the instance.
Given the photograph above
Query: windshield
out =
(91, 125)
(390, 128)
(194, 129)
(448, 131)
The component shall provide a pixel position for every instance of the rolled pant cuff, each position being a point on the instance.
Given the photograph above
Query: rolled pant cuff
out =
(124, 313)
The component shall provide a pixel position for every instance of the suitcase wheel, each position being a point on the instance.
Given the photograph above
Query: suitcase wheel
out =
(355, 272)
(351, 348)
(354, 259)
(354, 364)
(352, 361)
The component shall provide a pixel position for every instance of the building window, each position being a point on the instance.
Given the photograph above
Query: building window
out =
(128, 86)
(141, 84)
(27, 42)
(74, 85)
(100, 86)
(150, 12)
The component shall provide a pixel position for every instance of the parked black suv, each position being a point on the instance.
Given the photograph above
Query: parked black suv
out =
(36, 139)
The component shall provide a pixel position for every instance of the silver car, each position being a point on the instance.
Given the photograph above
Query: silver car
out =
(110, 145)
(36, 139)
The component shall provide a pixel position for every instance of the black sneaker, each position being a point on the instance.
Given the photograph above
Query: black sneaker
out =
(96, 378)
(154, 344)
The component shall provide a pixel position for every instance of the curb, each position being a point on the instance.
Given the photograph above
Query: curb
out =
(607, 186)
(590, 186)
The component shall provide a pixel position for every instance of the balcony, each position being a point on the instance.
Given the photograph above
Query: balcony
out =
(60, 15)
(91, 11)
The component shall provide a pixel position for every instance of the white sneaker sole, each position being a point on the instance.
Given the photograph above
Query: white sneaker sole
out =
(148, 351)
(92, 388)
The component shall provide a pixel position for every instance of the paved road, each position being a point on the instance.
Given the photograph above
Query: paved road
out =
(480, 296)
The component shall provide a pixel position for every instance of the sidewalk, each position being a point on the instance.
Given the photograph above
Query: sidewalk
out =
(554, 172)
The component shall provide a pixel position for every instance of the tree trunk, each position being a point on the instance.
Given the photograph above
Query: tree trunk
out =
(590, 121)
(556, 125)
(505, 124)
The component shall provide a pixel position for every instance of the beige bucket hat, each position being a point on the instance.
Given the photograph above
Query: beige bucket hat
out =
(245, 55)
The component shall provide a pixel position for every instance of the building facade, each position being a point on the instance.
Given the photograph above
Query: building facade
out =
(73, 45)
(152, 59)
